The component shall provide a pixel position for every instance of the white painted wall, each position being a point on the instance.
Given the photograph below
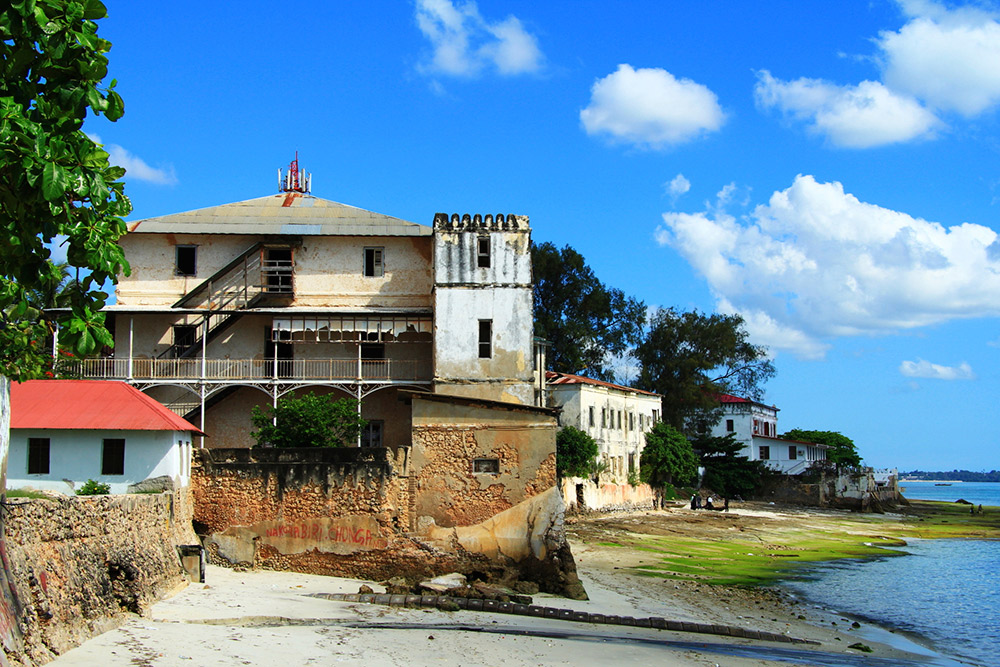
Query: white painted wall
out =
(744, 416)
(76, 455)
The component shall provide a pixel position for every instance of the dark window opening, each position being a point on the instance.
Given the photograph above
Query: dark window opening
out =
(187, 260)
(371, 436)
(278, 270)
(185, 336)
(372, 351)
(113, 457)
(38, 456)
(483, 252)
(730, 427)
(285, 352)
(591, 412)
(792, 452)
(485, 339)
(765, 452)
(488, 466)
(374, 266)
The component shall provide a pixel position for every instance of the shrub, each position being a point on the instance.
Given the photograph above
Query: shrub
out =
(576, 453)
(94, 488)
(308, 421)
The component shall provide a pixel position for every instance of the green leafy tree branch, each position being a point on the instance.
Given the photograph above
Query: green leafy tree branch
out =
(56, 184)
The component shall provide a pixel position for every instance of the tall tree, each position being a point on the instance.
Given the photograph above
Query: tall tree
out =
(842, 450)
(56, 185)
(667, 458)
(585, 321)
(690, 358)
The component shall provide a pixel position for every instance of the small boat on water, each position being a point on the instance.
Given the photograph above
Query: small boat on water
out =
(943, 484)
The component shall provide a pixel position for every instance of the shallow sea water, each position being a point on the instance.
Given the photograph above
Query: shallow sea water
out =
(947, 591)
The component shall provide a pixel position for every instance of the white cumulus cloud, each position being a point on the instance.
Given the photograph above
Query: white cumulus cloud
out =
(649, 107)
(135, 167)
(925, 369)
(677, 186)
(950, 58)
(464, 43)
(861, 116)
(815, 262)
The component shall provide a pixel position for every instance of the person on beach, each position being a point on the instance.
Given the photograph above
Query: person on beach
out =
(708, 504)
(697, 502)
(725, 506)
(693, 496)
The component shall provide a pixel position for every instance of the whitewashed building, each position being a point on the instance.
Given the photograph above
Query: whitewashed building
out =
(65, 432)
(615, 416)
(755, 426)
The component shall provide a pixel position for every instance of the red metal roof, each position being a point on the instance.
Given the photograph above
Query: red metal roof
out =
(89, 404)
(729, 398)
(552, 377)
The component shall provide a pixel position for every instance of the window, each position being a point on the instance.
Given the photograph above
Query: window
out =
(483, 252)
(619, 420)
(792, 452)
(604, 417)
(372, 351)
(656, 416)
(487, 466)
(185, 336)
(38, 456)
(113, 457)
(631, 421)
(730, 427)
(485, 339)
(186, 260)
(591, 414)
(765, 452)
(374, 264)
(371, 435)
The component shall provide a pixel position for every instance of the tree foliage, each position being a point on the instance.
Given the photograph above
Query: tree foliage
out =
(56, 185)
(308, 421)
(667, 457)
(726, 470)
(575, 453)
(842, 450)
(690, 358)
(585, 321)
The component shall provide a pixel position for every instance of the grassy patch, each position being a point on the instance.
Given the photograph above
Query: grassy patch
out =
(25, 493)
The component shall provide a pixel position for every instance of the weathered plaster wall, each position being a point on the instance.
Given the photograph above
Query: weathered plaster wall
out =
(328, 269)
(447, 439)
(79, 565)
(605, 497)
(465, 294)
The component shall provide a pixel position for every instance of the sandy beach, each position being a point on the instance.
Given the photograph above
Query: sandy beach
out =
(269, 618)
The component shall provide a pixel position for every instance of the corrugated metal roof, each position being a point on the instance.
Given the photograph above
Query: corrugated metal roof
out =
(729, 398)
(552, 377)
(289, 213)
(89, 404)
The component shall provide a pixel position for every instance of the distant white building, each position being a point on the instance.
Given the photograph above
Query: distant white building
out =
(755, 426)
(616, 417)
(65, 432)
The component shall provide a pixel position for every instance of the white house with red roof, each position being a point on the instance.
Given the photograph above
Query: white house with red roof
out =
(615, 416)
(65, 432)
(755, 426)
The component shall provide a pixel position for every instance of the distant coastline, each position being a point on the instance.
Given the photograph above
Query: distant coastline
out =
(949, 476)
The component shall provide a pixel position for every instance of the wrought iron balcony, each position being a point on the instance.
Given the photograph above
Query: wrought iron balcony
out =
(227, 370)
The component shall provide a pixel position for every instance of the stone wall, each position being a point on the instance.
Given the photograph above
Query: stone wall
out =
(80, 564)
(849, 488)
(347, 512)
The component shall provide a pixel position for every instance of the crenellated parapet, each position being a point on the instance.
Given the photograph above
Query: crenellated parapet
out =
(477, 222)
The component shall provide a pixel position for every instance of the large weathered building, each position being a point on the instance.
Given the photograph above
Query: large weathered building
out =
(428, 327)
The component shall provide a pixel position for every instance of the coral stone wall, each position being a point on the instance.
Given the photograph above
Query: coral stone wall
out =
(472, 460)
(79, 564)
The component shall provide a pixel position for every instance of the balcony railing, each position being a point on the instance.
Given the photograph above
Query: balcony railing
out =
(371, 370)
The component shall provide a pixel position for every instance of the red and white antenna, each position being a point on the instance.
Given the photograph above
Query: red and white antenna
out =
(294, 180)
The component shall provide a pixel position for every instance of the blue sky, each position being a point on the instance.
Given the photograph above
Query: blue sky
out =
(827, 170)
